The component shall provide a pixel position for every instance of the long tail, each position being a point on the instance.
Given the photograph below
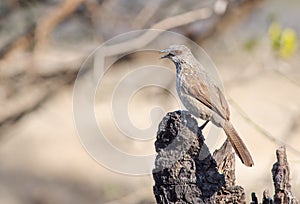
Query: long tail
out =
(238, 145)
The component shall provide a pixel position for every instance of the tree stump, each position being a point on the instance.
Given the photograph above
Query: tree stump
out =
(281, 179)
(185, 171)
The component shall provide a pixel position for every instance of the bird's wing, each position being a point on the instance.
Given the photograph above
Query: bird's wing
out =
(211, 97)
(224, 103)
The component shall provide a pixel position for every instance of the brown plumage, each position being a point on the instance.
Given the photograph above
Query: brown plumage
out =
(202, 97)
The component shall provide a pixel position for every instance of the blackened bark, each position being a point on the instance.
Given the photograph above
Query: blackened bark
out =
(185, 171)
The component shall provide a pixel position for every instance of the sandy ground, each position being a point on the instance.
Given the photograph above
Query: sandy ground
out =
(43, 161)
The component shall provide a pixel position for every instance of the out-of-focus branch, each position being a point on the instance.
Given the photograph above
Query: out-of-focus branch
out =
(33, 93)
(166, 24)
(20, 42)
(293, 81)
(261, 129)
(95, 11)
(48, 23)
(145, 14)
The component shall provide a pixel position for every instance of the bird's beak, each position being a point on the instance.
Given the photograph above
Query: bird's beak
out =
(165, 51)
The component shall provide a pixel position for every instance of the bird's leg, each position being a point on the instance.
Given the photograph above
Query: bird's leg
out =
(203, 126)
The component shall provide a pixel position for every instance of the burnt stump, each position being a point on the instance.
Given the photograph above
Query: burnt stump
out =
(185, 171)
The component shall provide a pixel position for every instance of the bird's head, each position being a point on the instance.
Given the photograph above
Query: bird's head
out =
(176, 53)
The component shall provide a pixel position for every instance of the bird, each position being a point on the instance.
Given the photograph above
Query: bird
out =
(202, 97)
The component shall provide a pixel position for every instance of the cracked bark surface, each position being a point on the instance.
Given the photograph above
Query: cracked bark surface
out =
(281, 179)
(185, 171)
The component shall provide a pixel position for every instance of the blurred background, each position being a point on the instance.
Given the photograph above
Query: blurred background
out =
(43, 43)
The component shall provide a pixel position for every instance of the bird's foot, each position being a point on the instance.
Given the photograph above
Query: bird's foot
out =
(203, 126)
